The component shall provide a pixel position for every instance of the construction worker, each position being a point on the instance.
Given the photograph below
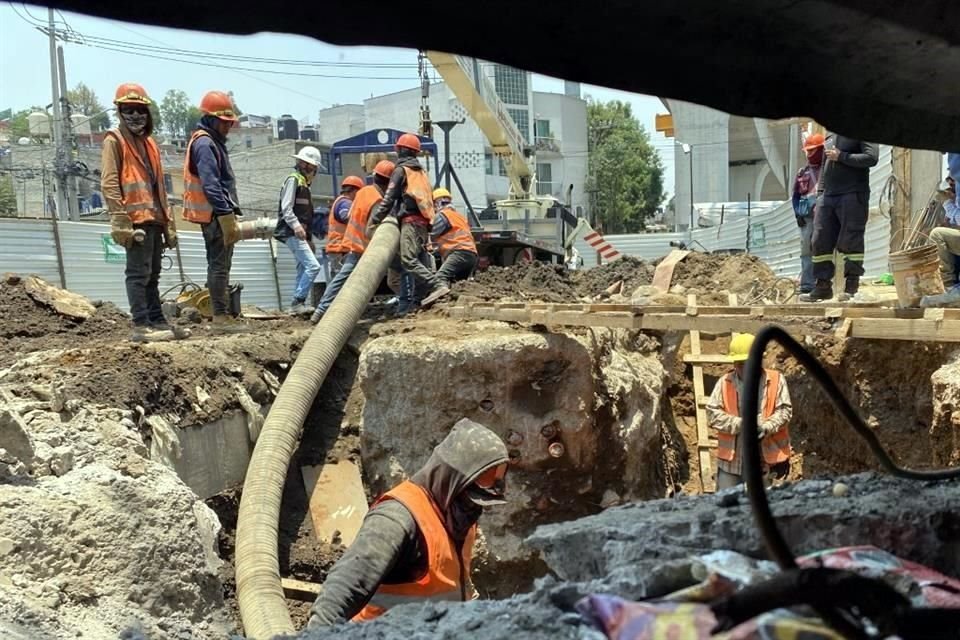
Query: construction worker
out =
(355, 237)
(132, 183)
(947, 239)
(804, 206)
(723, 414)
(451, 233)
(337, 223)
(295, 224)
(841, 215)
(210, 200)
(416, 542)
(410, 197)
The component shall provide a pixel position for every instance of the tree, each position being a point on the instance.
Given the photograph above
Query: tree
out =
(178, 115)
(8, 198)
(83, 100)
(625, 171)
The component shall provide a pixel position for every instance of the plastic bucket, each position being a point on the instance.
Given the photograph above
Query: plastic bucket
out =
(916, 273)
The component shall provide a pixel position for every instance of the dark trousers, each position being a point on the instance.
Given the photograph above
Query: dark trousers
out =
(839, 223)
(413, 254)
(143, 276)
(457, 266)
(219, 260)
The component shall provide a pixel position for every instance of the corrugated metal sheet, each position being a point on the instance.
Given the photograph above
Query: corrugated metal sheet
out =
(87, 269)
(27, 246)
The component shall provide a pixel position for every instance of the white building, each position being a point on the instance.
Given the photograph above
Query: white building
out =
(554, 124)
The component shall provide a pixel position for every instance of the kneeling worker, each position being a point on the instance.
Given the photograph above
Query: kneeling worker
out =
(416, 542)
(451, 233)
(723, 414)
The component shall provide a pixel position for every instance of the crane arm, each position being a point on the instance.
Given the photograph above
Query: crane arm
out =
(482, 103)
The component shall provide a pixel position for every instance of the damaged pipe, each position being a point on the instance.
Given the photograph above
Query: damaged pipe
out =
(262, 605)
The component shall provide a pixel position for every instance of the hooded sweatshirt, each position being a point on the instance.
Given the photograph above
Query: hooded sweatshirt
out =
(110, 160)
(395, 197)
(210, 162)
(389, 547)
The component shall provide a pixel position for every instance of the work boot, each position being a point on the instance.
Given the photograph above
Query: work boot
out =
(299, 308)
(146, 333)
(227, 324)
(850, 288)
(949, 299)
(823, 290)
(439, 292)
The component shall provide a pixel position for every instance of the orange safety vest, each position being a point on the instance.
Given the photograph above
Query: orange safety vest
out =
(418, 188)
(448, 572)
(458, 237)
(336, 229)
(196, 207)
(776, 446)
(355, 237)
(139, 200)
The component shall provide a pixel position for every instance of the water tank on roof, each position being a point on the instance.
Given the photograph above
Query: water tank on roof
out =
(39, 124)
(81, 123)
(309, 133)
(287, 128)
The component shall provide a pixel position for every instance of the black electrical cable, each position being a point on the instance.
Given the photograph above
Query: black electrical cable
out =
(753, 467)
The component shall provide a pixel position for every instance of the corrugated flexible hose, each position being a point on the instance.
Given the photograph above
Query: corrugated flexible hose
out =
(262, 605)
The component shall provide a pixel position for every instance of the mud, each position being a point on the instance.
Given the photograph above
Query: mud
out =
(633, 272)
(526, 282)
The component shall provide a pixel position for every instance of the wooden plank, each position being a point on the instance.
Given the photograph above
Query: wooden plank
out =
(703, 435)
(897, 329)
(300, 590)
(664, 272)
(707, 358)
(338, 502)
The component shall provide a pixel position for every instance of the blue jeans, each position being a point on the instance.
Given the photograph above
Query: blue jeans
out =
(334, 286)
(307, 267)
(807, 280)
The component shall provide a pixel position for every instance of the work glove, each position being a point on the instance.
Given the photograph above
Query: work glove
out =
(237, 212)
(231, 231)
(801, 221)
(170, 235)
(121, 229)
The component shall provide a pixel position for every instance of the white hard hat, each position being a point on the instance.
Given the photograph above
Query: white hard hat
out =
(310, 155)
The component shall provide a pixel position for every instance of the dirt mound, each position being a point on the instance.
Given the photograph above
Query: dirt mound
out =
(27, 325)
(522, 283)
(734, 273)
(633, 272)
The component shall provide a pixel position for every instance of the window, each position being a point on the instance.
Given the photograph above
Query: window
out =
(521, 117)
(502, 167)
(510, 84)
(541, 129)
(248, 142)
(544, 178)
(488, 164)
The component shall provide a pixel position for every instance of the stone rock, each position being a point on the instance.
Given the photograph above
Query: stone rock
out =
(945, 427)
(61, 460)
(914, 520)
(14, 436)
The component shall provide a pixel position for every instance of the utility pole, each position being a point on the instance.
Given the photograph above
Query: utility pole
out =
(61, 191)
(73, 205)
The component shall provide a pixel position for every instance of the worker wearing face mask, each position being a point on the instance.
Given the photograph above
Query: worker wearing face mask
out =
(295, 222)
(131, 180)
(416, 542)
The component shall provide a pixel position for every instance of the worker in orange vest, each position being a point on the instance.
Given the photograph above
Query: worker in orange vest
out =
(409, 197)
(416, 542)
(723, 414)
(451, 233)
(355, 238)
(339, 216)
(210, 200)
(131, 179)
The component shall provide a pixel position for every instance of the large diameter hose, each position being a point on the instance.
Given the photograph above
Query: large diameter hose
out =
(262, 605)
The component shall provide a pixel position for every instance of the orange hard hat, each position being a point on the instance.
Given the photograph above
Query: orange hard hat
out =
(813, 141)
(352, 181)
(384, 168)
(219, 105)
(131, 93)
(409, 141)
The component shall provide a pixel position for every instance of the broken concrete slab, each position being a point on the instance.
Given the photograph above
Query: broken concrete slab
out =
(945, 426)
(15, 438)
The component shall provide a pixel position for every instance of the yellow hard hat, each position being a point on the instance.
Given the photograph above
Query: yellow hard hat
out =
(440, 192)
(740, 345)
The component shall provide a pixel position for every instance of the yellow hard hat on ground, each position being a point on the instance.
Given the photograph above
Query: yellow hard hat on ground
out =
(440, 192)
(740, 345)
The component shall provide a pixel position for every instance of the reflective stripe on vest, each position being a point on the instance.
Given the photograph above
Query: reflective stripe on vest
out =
(140, 201)
(302, 203)
(196, 207)
(459, 237)
(418, 188)
(355, 236)
(335, 228)
(776, 446)
(442, 579)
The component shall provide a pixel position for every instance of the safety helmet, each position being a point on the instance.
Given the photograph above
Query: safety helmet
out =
(310, 155)
(740, 345)
(813, 141)
(384, 169)
(409, 141)
(131, 93)
(440, 192)
(352, 181)
(219, 105)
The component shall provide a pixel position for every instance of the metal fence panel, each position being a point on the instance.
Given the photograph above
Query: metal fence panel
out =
(87, 269)
(28, 246)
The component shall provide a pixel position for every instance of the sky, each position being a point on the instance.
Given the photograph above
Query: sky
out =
(334, 75)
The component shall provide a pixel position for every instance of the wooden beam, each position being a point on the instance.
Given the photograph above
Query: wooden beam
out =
(707, 358)
(338, 501)
(300, 590)
(703, 435)
(924, 330)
